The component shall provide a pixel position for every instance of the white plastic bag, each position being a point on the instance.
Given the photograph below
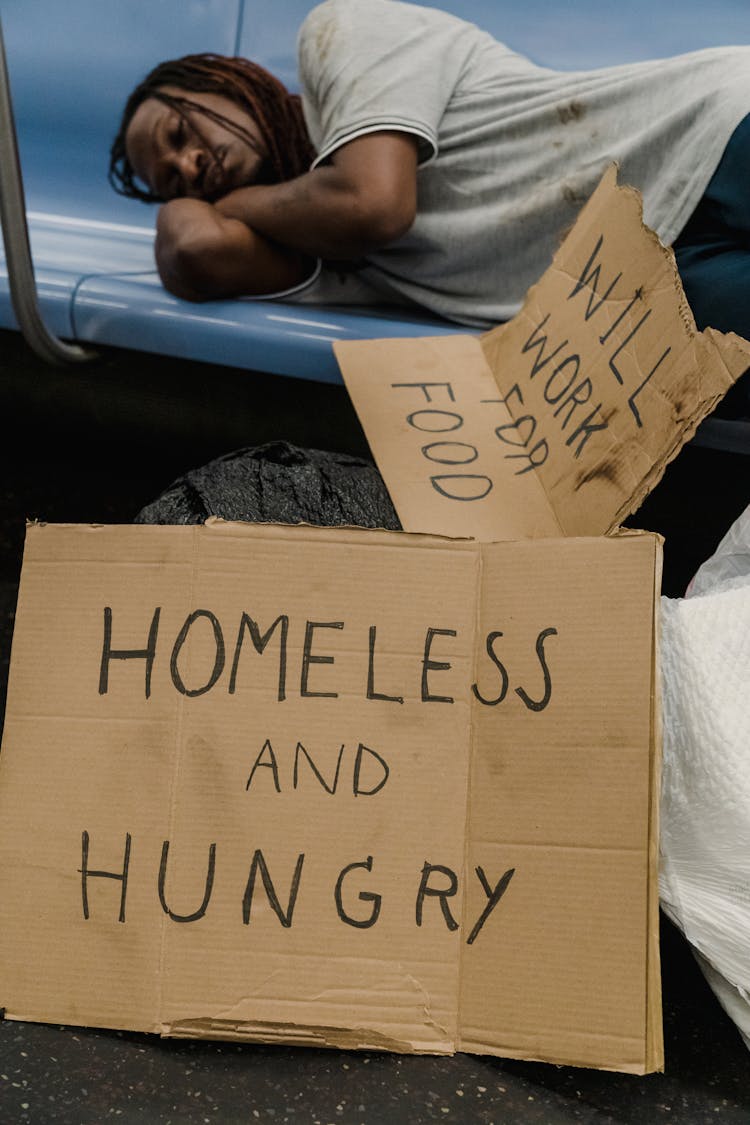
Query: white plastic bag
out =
(705, 803)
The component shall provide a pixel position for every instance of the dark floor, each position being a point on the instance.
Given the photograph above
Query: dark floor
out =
(95, 444)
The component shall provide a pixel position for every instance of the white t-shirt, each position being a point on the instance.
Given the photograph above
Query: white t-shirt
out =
(508, 150)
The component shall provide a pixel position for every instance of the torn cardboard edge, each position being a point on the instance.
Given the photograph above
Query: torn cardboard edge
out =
(562, 420)
(180, 567)
(655, 1037)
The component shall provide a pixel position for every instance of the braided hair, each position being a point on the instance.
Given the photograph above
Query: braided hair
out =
(276, 112)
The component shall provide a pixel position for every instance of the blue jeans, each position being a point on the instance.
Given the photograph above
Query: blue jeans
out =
(713, 251)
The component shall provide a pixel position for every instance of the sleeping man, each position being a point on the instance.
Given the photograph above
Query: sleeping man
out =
(428, 164)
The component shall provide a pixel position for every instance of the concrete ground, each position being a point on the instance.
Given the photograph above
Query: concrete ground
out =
(95, 444)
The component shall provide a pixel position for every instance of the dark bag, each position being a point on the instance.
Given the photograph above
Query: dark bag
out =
(278, 483)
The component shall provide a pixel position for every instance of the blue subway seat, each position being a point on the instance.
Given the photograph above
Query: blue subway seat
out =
(71, 68)
(258, 335)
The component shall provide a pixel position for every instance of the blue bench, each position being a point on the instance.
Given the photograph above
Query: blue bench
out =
(71, 66)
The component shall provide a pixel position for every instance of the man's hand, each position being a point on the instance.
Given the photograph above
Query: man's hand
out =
(203, 255)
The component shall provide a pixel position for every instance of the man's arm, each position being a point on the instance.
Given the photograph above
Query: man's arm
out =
(201, 255)
(364, 199)
(260, 239)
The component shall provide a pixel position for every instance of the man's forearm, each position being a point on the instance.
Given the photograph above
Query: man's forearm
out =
(362, 201)
(309, 214)
(202, 255)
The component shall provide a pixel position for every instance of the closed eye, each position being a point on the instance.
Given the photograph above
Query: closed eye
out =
(177, 134)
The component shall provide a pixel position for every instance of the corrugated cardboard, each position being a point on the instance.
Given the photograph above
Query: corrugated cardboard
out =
(561, 421)
(370, 790)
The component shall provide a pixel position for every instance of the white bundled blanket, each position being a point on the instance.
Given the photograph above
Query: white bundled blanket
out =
(705, 802)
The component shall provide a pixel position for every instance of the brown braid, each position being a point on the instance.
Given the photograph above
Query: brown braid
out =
(276, 112)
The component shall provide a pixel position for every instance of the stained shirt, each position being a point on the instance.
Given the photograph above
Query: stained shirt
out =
(508, 150)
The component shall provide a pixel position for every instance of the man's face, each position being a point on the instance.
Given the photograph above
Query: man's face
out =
(190, 154)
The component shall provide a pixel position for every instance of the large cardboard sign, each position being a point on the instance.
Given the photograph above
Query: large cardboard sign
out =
(336, 787)
(561, 421)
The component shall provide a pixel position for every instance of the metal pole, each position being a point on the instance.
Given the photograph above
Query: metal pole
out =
(16, 239)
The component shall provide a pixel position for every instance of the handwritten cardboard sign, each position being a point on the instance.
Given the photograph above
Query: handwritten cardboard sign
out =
(562, 420)
(339, 787)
